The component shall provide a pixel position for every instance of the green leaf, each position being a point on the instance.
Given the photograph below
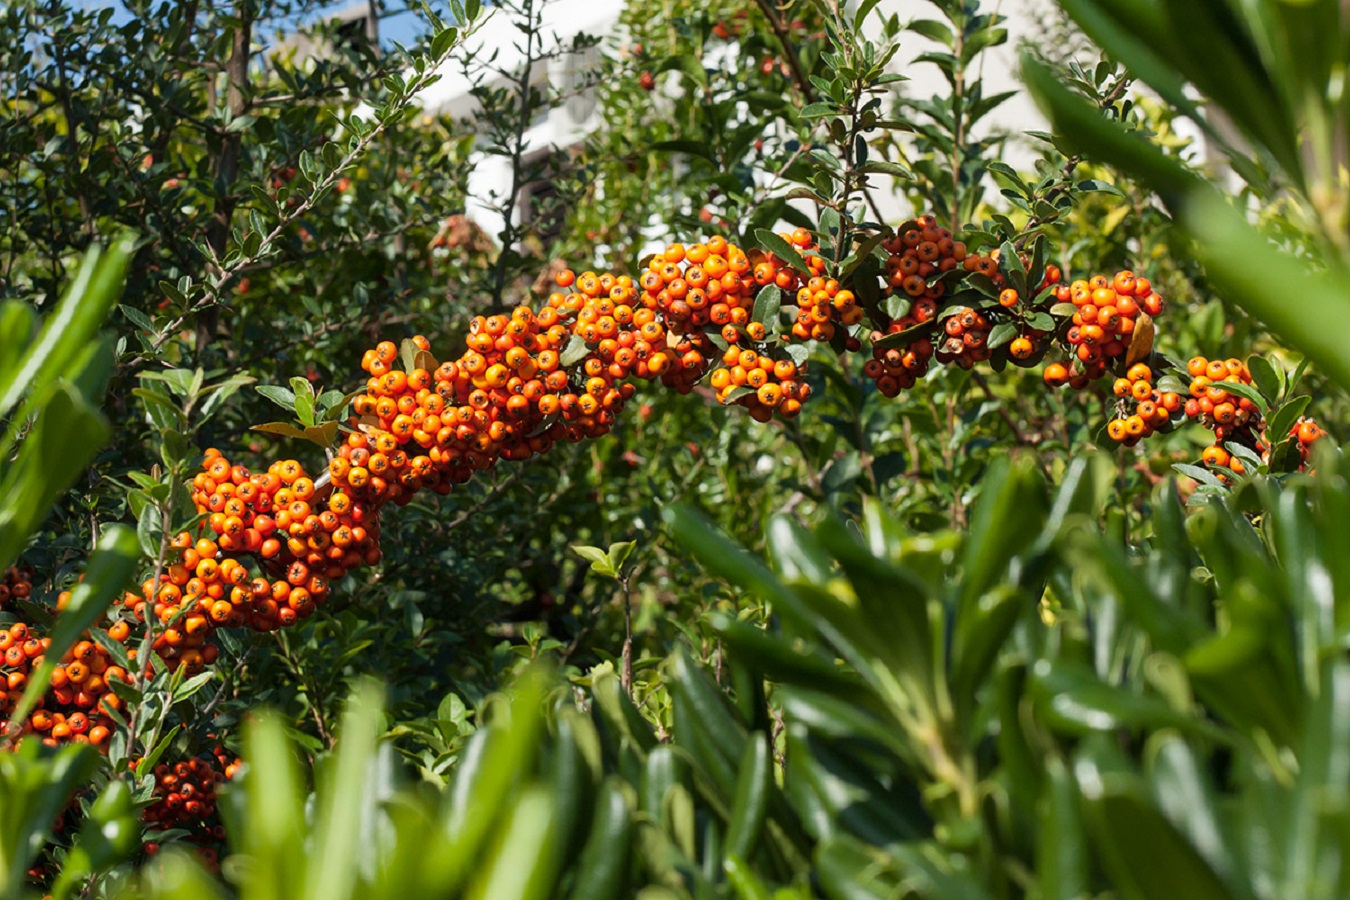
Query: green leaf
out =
(1001, 334)
(1265, 377)
(600, 870)
(1202, 475)
(490, 766)
(138, 318)
(36, 790)
(1061, 850)
(884, 167)
(72, 325)
(304, 400)
(933, 30)
(1071, 698)
(193, 685)
(150, 530)
(343, 797)
(1092, 185)
(619, 553)
(780, 248)
(278, 395)
(1246, 390)
(573, 352)
(1285, 417)
(1184, 792)
(599, 560)
(284, 429)
(443, 41)
(49, 461)
(751, 803)
(240, 123)
(767, 303)
(1143, 853)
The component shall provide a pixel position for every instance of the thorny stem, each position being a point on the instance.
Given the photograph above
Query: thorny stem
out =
(780, 30)
(626, 673)
(958, 107)
(1062, 185)
(145, 659)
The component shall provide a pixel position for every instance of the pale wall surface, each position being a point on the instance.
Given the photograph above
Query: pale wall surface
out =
(499, 39)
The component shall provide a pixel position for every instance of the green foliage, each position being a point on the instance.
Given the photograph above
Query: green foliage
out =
(1262, 71)
(54, 377)
(1178, 706)
(952, 679)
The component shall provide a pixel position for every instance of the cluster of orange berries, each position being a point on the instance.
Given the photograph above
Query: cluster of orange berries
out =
(1230, 416)
(1210, 400)
(276, 541)
(1108, 314)
(967, 338)
(922, 251)
(79, 704)
(823, 305)
(898, 368)
(702, 284)
(1108, 311)
(184, 797)
(920, 254)
(692, 292)
(1306, 433)
(508, 396)
(1153, 409)
(761, 384)
(17, 584)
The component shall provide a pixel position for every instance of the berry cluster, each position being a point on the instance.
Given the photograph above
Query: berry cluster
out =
(967, 338)
(921, 252)
(17, 584)
(823, 305)
(1112, 319)
(274, 541)
(1230, 416)
(79, 704)
(1153, 409)
(184, 797)
(760, 383)
(1108, 312)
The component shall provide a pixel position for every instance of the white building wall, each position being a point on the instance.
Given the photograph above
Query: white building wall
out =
(498, 44)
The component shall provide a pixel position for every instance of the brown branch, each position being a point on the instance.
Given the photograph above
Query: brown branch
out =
(794, 62)
(227, 159)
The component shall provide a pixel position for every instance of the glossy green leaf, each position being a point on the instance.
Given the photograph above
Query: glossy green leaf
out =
(1143, 853)
(600, 871)
(751, 802)
(72, 324)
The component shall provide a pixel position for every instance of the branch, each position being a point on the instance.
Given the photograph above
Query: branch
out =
(794, 62)
(225, 274)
